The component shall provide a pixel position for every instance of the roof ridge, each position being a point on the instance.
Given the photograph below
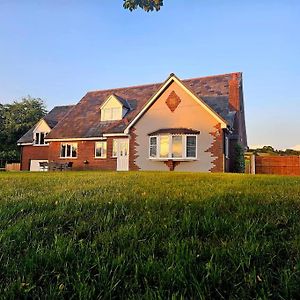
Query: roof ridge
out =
(157, 83)
(210, 76)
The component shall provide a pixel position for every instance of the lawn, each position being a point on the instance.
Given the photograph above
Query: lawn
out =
(149, 236)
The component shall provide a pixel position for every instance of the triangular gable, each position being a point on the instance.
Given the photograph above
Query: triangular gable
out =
(42, 126)
(122, 102)
(170, 79)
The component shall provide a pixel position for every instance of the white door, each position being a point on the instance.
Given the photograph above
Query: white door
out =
(35, 165)
(123, 155)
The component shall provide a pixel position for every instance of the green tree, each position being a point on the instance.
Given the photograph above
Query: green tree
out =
(147, 5)
(15, 120)
(239, 159)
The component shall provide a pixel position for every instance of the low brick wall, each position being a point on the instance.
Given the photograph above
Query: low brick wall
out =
(281, 165)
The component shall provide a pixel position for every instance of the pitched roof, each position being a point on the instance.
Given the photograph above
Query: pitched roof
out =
(52, 118)
(84, 120)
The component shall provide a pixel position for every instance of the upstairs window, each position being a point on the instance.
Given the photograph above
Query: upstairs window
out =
(112, 113)
(170, 146)
(100, 149)
(39, 138)
(68, 150)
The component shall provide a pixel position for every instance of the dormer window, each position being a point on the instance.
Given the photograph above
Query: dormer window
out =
(114, 108)
(112, 113)
(39, 138)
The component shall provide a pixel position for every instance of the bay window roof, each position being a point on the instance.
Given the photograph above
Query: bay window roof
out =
(174, 131)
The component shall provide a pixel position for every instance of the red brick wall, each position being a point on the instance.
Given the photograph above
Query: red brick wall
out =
(86, 152)
(217, 150)
(281, 165)
(32, 152)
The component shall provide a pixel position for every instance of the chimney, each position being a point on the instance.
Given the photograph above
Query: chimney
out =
(234, 92)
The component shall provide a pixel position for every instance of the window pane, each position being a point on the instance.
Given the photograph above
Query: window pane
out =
(42, 138)
(68, 150)
(74, 150)
(164, 146)
(176, 146)
(116, 113)
(106, 114)
(37, 138)
(153, 146)
(63, 150)
(115, 148)
(190, 146)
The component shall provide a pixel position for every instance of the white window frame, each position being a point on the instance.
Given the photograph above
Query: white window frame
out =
(154, 136)
(68, 157)
(184, 147)
(104, 156)
(37, 141)
(107, 114)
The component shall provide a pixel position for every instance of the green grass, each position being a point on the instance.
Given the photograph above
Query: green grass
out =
(149, 236)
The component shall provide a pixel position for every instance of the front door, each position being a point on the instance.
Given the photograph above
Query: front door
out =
(123, 155)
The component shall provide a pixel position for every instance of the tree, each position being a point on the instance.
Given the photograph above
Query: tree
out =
(15, 120)
(239, 159)
(147, 5)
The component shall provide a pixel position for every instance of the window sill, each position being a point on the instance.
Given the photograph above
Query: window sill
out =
(173, 158)
(40, 145)
(68, 158)
(100, 157)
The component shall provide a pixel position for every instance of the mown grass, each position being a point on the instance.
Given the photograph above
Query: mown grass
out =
(149, 235)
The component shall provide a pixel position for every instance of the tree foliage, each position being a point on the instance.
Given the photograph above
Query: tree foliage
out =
(239, 159)
(271, 151)
(147, 5)
(15, 120)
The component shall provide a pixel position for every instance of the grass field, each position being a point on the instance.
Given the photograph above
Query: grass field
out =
(149, 236)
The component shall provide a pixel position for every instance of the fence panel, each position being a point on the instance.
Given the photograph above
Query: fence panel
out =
(12, 167)
(281, 165)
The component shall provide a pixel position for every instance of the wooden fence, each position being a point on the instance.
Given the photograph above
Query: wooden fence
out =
(12, 167)
(281, 165)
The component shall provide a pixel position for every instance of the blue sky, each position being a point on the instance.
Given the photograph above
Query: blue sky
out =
(60, 49)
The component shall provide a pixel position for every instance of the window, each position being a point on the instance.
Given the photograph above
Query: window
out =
(115, 148)
(100, 149)
(153, 146)
(113, 113)
(177, 146)
(191, 146)
(68, 150)
(39, 138)
(226, 147)
(173, 146)
(164, 146)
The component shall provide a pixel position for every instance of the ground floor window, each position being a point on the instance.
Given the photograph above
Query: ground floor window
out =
(100, 149)
(68, 150)
(173, 146)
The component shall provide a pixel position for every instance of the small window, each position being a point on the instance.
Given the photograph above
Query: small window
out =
(190, 146)
(68, 150)
(153, 146)
(100, 149)
(226, 147)
(40, 138)
(115, 148)
(110, 114)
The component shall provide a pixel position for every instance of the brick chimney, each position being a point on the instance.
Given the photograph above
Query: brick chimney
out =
(234, 92)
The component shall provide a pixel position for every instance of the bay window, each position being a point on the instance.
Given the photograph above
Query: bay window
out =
(68, 150)
(170, 146)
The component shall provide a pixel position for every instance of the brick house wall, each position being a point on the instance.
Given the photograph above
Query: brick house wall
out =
(32, 152)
